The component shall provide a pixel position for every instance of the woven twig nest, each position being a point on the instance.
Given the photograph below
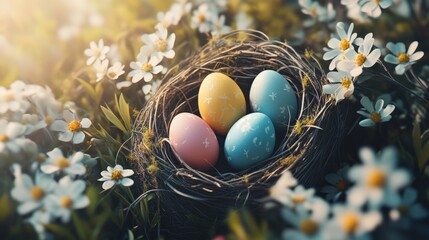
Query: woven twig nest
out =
(305, 147)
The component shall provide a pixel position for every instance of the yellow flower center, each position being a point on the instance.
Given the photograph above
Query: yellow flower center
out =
(66, 202)
(74, 126)
(350, 222)
(309, 227)
(8, 96)
(342, 185)
(116, 175)
(377, 1)
(161, 45)
(360, 59)
(344, 44)
(298, 199)
(49, 120)
(403, 58)
(111, 74)
(201, 18)
(376, 179)
(41, 158)
(62, 163)
(346, 82)
(313, 11)
(4, 138)
(97, 53)
(147, 67)
(375, 117)
(37, 193)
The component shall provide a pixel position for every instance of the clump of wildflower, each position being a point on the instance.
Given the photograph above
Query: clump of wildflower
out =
(403, 58)
(374, 113)
(116, 176)
(71, 128)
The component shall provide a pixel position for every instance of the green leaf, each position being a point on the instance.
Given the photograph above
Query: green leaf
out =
(425, 136)
(124, 111)
(6, 208)
(60, 231)
(416, 138)
(113, 118)
(423, 157)
(81, 228)
(88, 87)
(130, 235)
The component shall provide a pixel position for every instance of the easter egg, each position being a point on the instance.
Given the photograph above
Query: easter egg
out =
(272, 95)
(249, 141)
(194, 141)
(220, 102)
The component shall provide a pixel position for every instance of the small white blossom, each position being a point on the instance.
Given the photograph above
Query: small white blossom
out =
(299, 197)
(341, 85)
(116, 70)
(285, 181)
(96, 52)
(404, 59)
(149, 89)
(373, 8)
(71, 128)
(101, 69)
(408, 209)
(31, 195)
(57, 162)
(219, 26)
(339, 45)
(316, 11)
(243, 21)
(13, 99)
(145, 67)
(377, 180)
(307, 223)
(68, 195)
(116, 176)
(350, 222)
(9, 135)
(374, 113)
(364, 57)
(201, 18)
(159, 43)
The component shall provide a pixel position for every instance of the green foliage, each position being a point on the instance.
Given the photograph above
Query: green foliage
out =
(421, 145)
(243, 226)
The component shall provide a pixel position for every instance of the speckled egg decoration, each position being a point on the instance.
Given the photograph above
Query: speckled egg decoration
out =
(220, 102)
(249, 141)
(272, 95)
(194, 141)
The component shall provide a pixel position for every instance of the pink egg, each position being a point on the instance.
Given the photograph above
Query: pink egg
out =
(194, 141)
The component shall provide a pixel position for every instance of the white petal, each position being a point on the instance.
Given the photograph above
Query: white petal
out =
(379, 105)
(127, 172)
(345, 66)
(68, 115)
(65, 136)
(356, 71)
(76, 188)
(367, 104)
(55, 153)
(399, 179)
(372, 58)
(108, 184)
(333, 43)
(357, 196)
(127, 182)
(366, 123)
(331, 54)
(330, 88)
(401, 68)
(388, 110)
(59, 125)
(85, 123)
(385, 4)
(78, 137)
(81, 202)
(28, 207)
(370, 221)
(416, 56)
(137, 77)
(77, 157)
(48, 168)
(117, 167)
(170, 54)
(412, 48)
(76, 169)
(391, 59)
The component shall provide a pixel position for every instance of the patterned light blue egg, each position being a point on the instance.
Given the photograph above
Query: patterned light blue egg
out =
(272, 95)
(249, 141)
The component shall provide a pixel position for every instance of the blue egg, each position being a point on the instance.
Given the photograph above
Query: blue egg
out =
(272, 95)
(249, 141)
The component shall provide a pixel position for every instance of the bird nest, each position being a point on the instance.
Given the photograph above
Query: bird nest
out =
(305, 147)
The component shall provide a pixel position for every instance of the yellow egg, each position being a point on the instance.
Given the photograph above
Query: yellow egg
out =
(221, 102)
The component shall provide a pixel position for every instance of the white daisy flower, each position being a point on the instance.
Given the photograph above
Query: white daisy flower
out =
(116, 176)
(219, 26)
(408, 209)
(9, 134)
(307, 224)
(174, 14)
(31, 195)
(404, 59)
(374, 113)
(13, 99)
(100, 67)
(145, 67)
(341, 86)
(349, 222)
(340, 45)
(356, 61)
(201, 18)
(316, 11)
(122, 84)
(377, 180)
(57, 162)
(285, 181)
(150, 88)
(68, 195)
(299, 197)
(38, 220)
(243, 21)
(160, 43)
(71, 128)
(348, 2)
(338, 184)
(96, 52)
(116, 70)
(373, 7)
(47, 106)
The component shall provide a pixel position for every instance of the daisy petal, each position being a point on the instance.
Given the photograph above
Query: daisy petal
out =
(412, 48)
(108, 184)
